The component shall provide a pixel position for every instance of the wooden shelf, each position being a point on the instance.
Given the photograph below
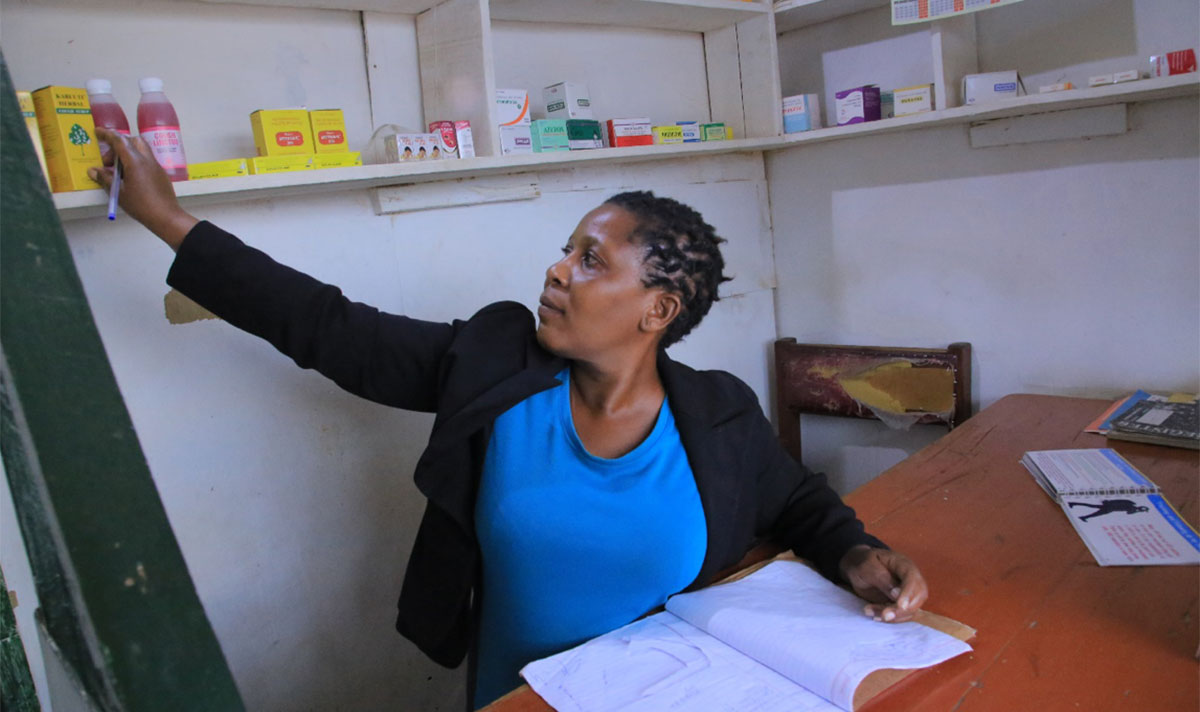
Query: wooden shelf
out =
(403, 7)
(794, 14)
(93, 203)
(684, 15)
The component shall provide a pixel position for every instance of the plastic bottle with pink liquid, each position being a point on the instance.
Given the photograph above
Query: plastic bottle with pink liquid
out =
(158, 126)
(106, 112)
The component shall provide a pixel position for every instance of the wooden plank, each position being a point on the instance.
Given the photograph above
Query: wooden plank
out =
(391, 53)
(724, 78)
(407, 7)
(112, 583)
(1108, 120)
(683, 15)
(458, 77)
(758, 58)
(471, 191)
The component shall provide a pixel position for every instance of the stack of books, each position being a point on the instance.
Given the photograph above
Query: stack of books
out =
(1143, 417)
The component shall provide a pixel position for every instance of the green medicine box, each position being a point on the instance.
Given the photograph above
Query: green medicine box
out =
(584, 133)
(549, 135)
(712, 132)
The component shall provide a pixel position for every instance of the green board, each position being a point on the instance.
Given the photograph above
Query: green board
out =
(112, 584)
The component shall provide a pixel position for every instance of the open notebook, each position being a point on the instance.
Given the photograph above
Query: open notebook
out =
(781, 638)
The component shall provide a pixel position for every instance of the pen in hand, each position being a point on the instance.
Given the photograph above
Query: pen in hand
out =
(114, 190)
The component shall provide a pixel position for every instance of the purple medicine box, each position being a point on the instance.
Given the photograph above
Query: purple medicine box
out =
(854, 106)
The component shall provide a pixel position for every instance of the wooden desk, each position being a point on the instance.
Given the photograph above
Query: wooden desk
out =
(1056, 631)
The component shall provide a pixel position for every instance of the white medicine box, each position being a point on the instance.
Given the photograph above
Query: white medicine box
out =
(567, 100)
(992, 86)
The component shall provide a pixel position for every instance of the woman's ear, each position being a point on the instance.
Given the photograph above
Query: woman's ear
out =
(664, 308)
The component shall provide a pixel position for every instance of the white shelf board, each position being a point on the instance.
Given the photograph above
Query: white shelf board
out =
(1142, 90)
(93, 203)
(794, 14)
(405, 7)
(685, 15)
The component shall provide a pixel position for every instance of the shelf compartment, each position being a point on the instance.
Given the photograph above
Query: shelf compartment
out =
(684, 15)
(794, 14)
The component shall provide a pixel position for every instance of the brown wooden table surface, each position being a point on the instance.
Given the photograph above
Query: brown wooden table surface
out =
(1056, 631)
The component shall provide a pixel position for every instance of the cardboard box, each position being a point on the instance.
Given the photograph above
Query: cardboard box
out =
(887, 105)
(913, 100)
(64, 118)
(25, 101)
(466, 141)
(328, 130)
(218, 169)
(1129, 75)
(584, 134)
(801, 112)
(1061, 86)
(517, 138)
(1178, 62)
(715, 131)
(260, 165)
(857, 105)
(691, 131)
(282, 132)
(549, 135)
(667, 134)
(992, 86)
(409, 147)
(1100, 80)
(512, 107)
(630, 132)
(567, 100)
(447, 137)
(343, 159)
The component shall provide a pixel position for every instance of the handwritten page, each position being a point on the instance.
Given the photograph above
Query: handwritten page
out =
(782, 638)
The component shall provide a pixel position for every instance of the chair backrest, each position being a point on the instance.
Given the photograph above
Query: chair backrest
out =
(920, 385)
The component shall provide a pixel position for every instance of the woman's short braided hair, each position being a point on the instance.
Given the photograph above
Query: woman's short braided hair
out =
(682, 255)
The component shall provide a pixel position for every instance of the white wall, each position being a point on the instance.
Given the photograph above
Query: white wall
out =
(292, 501)
(1072, 267)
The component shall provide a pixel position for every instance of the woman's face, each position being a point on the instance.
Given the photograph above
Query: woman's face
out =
(593, 300)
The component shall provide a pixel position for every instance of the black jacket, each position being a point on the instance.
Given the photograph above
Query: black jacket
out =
(468, 373)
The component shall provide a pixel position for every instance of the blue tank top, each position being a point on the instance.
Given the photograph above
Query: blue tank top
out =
(576, 545)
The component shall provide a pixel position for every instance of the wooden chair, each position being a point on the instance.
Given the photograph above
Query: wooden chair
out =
(926, 385)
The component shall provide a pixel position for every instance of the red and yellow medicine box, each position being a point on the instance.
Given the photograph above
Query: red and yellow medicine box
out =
(280, 164)
(282, 132)
(328, 131)
(64, 117)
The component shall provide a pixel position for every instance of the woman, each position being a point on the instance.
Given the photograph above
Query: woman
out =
(576, 475)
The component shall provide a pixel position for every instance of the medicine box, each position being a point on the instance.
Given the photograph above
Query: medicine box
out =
(64, 117)
(584, 134)
(667, 134)
(567, 100)
(857, 105)
(1129, 75)
(991, 86)
(328, 130)
(282, 132)
(715, 131)
(512, 107)
(913, 100)
(218, 169)
(447, 134)
(1179, 62)
(1061, 86)
(549, 135)
(345, 159)
(801, 112)
(280, 164)
(466, 141)
(411, 147)
(630, 132)
(691, 131)
(516, 138)
(25, 101)
(887, 105)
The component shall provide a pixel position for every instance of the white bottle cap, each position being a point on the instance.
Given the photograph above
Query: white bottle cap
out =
(149, 84)
(99, 86)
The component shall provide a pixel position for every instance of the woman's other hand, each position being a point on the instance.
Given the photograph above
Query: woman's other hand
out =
(889, 580)
(146, 193)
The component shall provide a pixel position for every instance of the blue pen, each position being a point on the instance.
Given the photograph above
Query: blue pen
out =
(114, 190)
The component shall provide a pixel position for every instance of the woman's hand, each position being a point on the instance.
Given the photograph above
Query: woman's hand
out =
(146, 192)
(889, 580)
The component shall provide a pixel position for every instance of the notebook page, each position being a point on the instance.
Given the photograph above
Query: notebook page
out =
(793, 620)
(663, 663)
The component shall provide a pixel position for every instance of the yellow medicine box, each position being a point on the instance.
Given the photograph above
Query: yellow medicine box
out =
(282, 132)
(25, 101)
(668, 134)
(328, 131)
(64, 118)
(337, 160)
(218, 169)
(280, 164)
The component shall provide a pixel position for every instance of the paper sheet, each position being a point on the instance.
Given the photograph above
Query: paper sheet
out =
(666, 663)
